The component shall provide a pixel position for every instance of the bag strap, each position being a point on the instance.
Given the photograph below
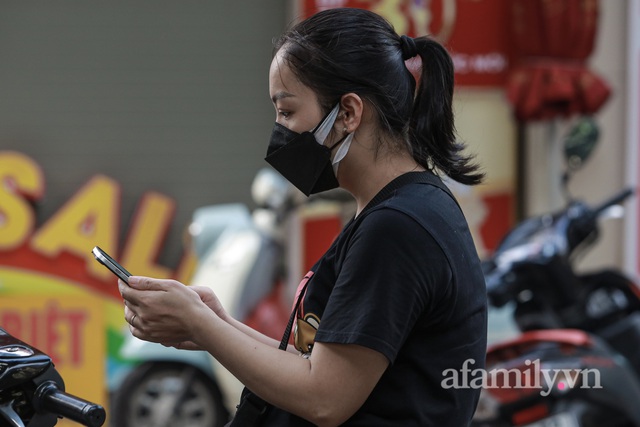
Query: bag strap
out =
(251, 407)
(284, 342)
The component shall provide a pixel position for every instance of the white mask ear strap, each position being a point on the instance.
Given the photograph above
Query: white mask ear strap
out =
(322, 130)
(342, 151)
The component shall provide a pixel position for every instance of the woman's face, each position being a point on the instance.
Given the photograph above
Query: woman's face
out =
(296, 105)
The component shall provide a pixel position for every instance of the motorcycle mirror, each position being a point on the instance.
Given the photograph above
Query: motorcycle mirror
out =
(270, 190)
(580, 142)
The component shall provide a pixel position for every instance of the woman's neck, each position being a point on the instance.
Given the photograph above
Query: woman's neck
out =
(366, 179)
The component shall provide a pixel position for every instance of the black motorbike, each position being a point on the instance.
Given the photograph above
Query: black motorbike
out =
(32, 392)
(577, 360)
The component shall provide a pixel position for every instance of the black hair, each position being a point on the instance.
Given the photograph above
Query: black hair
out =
(343, 50)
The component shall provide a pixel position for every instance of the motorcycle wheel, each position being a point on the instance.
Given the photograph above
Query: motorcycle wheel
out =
(164, 394)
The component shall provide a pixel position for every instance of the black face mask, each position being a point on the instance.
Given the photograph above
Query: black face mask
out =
(301, 159)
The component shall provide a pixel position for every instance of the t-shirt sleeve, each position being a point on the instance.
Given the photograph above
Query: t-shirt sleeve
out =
(393, 273)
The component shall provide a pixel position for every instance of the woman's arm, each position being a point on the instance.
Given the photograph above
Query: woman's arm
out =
(325, 389)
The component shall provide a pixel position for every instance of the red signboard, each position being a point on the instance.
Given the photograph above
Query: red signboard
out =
(476, 32)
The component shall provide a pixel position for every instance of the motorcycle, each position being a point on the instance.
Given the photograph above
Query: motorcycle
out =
(32, 392)
(251, 259)
(576, 361)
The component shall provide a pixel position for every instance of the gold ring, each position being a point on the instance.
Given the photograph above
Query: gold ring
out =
(132, 319)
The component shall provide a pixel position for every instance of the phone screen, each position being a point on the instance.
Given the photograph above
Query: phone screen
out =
(104, 259)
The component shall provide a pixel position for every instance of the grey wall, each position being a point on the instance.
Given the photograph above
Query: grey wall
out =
(169, 96)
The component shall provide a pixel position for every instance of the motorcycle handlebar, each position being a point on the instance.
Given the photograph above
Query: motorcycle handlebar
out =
(49, 398)
(618, 198)
(585, 224)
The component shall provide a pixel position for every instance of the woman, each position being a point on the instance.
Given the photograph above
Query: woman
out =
(399, 297)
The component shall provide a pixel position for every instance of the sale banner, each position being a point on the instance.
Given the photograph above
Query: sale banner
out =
(54, 296)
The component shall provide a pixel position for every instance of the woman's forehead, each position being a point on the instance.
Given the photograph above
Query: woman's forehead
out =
(283, 83)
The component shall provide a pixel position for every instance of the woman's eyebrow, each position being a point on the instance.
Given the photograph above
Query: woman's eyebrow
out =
(281, 95)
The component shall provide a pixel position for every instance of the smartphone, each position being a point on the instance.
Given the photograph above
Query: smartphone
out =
(104, 259)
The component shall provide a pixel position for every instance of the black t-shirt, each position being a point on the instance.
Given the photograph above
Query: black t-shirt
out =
(404, 279)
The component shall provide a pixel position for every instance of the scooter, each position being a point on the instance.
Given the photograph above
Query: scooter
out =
(580, 332)
(251, 259)
(32, 392)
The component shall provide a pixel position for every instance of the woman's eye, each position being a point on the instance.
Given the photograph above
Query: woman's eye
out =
(284, 113)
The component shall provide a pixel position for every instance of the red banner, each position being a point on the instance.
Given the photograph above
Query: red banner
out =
(476, 32)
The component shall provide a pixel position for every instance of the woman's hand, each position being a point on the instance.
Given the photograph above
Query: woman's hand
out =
(166, 311)
(211, 300)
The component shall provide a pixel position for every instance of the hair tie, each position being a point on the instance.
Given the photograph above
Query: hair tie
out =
(408, 47)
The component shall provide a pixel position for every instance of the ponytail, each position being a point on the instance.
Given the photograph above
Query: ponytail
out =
(431, 126)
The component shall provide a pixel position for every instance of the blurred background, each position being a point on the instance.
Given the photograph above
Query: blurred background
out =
(120, 119)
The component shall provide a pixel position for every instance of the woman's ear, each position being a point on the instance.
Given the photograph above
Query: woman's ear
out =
(350, 115)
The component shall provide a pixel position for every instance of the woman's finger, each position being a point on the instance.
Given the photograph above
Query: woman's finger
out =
(128, 313)
(151, 284)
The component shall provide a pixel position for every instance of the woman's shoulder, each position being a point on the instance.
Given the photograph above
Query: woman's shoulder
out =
(420, 201)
